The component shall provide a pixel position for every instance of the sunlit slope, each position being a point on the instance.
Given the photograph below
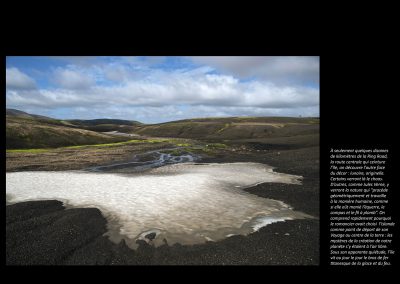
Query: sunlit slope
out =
(29, 132)
(233, 128)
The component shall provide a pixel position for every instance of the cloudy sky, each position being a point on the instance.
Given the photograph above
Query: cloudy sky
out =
(159, 89)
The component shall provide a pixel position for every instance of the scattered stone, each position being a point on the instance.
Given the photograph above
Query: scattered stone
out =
(150, 236)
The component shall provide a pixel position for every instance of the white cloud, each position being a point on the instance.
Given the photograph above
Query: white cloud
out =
(15, 79)
(71, 79)
(204, 89)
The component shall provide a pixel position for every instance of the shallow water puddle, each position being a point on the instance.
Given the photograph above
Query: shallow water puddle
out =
(187, 203)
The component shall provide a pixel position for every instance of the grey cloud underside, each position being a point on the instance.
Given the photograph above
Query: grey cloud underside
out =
(17, 80)
(277, 69)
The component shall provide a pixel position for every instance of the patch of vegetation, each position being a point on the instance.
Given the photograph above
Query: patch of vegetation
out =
(313, 120)
(28, 150)
(135, 141)
(226, 125)
(209, 149)
(183, 144)
(216, 145)
(156, 140)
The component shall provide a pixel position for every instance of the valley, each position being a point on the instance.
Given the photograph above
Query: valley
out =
(40, 144)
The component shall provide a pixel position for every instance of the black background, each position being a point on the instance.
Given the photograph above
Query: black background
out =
(358, 86)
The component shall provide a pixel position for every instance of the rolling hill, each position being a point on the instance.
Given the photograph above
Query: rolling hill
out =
(18, 113)
(24, 131)
(232, 128)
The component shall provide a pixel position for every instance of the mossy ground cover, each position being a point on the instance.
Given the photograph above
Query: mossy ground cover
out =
(28, 150)
(177, 142)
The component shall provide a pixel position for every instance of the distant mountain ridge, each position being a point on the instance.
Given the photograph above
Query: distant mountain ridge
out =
(92, 122)
(19, 113)
(87, 122)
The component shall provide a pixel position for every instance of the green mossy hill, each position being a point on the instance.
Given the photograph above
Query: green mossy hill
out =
(26, 133)
(232, 128)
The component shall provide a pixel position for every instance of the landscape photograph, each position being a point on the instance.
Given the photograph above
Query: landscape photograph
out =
(162, 160)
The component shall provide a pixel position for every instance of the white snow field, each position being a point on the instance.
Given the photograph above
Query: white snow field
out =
(188, 203)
